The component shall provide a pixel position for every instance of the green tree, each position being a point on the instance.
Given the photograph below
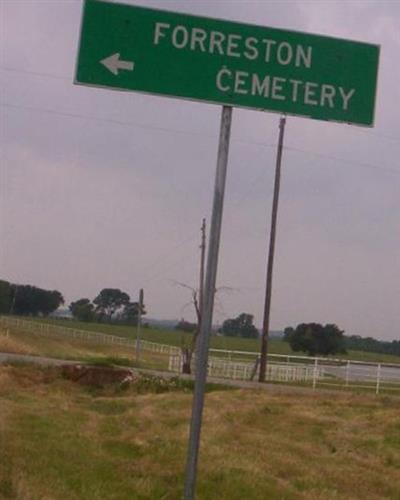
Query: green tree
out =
(373, 345)
(109, 302)
(287, 333)
(241, 326)
(82, 310)
(33, 301)
(48, 301)
(130, 313)
(313, 338)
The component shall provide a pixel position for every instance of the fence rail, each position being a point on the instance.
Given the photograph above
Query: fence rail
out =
(277, 372)
(243, 365)
(48, 330)
(317, 372)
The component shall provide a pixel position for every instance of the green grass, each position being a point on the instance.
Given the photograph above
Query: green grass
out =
(171, 337)
(59, 440)
(20, 341)
(17, 340)
(178, 338)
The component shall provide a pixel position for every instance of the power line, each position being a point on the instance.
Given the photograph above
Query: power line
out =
(35, 73)
(198, 134)
(69, 79)
(189, 239)
(241, 199)
(169, 130)
(102, 120)
(126, 123)
(176, 263)
(186, 240)
(343, 160)
(367, 131)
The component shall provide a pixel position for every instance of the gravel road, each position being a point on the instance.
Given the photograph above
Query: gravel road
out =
(273, 388)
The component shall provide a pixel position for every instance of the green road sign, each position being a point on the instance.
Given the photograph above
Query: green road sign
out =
(190, 57)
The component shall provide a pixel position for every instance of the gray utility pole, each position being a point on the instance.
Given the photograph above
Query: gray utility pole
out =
(268, 288)
(208, 304)
(139, 324)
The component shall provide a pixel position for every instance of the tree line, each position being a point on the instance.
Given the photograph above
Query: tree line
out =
(241, 326)
(311, 338)
(28, 300)
(111, 305)
(369, 344)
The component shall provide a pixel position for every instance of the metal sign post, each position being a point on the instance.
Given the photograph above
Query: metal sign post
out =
(271, 253)
(208, 304)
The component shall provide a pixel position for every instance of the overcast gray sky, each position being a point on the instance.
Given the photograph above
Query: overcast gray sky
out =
(108, 189)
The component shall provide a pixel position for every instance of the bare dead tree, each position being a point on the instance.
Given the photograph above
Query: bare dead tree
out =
(197, 301)
(189, 349)
(197, 296)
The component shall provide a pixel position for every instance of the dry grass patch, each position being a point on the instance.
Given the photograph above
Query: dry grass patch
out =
(64, 441)
(10, 343)
(19, 341)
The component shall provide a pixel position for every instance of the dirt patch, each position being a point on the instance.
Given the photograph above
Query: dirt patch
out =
(97, 376)
(25, 377)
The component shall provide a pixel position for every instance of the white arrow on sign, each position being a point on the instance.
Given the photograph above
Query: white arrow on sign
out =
(114, 63)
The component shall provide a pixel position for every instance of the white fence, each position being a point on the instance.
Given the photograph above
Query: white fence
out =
(48, 330)
(243, 365)
(317, 372)
(237, 370)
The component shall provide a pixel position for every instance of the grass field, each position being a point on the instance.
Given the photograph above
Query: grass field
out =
(18, 341)
(177, 338)
(59, 440)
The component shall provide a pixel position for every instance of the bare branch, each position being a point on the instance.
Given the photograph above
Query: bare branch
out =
(183, 285)
(184, 307)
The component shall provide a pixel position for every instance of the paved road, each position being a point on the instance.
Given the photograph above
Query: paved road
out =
(358, 372)
(273, 388)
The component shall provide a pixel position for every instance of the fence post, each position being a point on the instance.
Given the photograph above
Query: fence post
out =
(315, 374)
(255, 368)
(378, 378)
(347, 373)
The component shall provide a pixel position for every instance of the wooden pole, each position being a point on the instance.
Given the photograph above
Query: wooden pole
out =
(270, 265)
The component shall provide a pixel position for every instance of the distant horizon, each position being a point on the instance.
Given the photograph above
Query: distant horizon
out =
(277, 332)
